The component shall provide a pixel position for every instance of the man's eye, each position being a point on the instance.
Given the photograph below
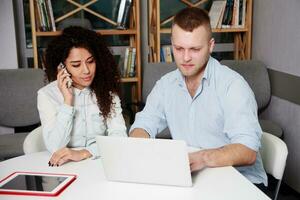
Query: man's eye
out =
(195, 50)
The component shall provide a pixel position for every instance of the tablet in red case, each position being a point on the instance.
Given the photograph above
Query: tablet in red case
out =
(35, 184)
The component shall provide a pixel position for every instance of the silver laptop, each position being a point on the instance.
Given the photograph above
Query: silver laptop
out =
(138, 160)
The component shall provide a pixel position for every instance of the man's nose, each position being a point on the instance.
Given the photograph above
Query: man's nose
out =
(186, 55)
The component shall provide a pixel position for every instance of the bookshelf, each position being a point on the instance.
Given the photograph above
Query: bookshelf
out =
(242, 36)
(133, 32)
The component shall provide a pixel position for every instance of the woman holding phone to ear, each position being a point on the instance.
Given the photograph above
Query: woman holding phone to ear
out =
(82, 99)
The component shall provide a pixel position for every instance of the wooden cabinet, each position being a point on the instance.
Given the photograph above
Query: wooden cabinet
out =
(133, 32)
(242, 36)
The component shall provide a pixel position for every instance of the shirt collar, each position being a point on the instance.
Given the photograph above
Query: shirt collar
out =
(84, 91)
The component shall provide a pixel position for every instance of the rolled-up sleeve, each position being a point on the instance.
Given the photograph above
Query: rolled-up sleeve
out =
(241, 122)
(152, 118)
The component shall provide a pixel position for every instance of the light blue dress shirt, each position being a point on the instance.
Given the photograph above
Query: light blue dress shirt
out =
(223, 111)
(76, 126)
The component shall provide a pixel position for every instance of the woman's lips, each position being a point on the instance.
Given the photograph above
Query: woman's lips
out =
(87, 78)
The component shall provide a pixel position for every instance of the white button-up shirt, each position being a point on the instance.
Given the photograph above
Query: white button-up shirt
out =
(77, 125)
(223, 111)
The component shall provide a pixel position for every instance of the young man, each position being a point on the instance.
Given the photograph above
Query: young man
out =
(204, 103)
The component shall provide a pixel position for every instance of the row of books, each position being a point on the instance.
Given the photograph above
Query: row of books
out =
(228, 14)
(166, 54)
(45, 19)
(44, 15)
(129, 62)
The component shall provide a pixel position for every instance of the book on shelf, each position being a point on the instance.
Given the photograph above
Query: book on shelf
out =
(167, 53)
(132, 63)
(125, 66)
(129, 60)
(233, 15)
(242, 14)
(49, 6)
(125, 58)
(44, 15)
(216, 13)
(123, 14)
(227, 18)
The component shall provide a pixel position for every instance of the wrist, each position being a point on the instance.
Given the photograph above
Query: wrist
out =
(85, 154)
(68, 102)
(205, 156)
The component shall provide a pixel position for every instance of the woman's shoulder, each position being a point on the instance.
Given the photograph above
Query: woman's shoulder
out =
(50, 89)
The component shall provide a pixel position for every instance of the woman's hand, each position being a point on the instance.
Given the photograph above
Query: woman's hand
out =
(62, 78)
(65, 154)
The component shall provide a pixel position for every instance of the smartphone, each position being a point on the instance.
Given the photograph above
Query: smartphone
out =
(63, 67)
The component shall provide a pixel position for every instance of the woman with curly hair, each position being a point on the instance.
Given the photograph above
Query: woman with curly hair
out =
(82, 99)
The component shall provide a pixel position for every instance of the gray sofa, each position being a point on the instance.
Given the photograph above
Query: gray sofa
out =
(18, 107)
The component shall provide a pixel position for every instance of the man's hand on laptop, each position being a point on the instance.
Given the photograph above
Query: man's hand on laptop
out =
(197, 160)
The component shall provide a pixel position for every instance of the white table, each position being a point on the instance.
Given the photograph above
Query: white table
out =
(212, 183)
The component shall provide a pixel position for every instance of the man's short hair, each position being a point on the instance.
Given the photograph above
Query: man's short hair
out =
(191, 18)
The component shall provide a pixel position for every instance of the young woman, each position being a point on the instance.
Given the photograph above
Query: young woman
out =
(81, 101)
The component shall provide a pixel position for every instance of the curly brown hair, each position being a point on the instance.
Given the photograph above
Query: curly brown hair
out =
(107, 77)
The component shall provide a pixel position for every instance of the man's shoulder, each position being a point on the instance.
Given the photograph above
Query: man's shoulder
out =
(170, 76)
(225, 70)
(224, 74)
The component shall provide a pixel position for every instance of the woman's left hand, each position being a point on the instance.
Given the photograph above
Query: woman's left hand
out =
(65, 154)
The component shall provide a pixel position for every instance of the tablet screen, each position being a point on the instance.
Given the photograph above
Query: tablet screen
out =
(35, 183)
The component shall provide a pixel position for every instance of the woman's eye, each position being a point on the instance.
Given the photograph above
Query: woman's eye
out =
(75, 66)
(90, 61)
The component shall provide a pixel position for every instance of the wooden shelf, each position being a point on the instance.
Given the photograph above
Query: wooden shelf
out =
(223, 30)
(242, 36)
(133, 33)
(129, 80)
(103, 32)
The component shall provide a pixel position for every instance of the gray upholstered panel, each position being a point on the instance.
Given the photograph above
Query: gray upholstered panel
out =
(18, 96)
(11, 145)
(152, 73)
(256, 74)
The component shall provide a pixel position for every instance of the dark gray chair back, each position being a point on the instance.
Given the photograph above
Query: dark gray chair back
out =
(256, 74)
(18, 97)
(18, 106)
(152, 72)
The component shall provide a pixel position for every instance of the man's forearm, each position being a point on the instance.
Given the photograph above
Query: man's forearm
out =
(229, 155)
(139, 132)
(232, 154)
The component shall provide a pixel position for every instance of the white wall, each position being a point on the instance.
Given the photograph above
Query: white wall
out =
(8, 50)
(276, 42)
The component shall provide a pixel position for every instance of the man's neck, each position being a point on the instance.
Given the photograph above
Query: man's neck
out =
(193, 83)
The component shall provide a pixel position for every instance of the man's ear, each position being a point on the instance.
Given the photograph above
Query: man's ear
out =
(211, 45)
